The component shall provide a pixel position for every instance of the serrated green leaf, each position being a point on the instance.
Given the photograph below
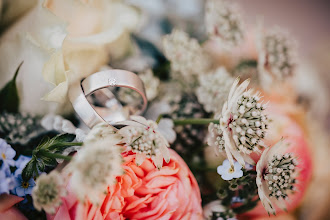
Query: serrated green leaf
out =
(28, 170)
(43, 143)
(55, 144)
(40, 165)
(48, 161)
(9, 99)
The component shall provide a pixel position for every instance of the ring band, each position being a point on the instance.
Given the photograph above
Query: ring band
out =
(108, 78)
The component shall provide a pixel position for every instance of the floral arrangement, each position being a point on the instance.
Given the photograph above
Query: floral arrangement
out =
(219, 139)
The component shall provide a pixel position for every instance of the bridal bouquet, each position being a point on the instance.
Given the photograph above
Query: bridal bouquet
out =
(223, 136)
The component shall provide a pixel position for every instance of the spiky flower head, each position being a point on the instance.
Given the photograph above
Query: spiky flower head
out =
(277, 55)
(276, 176)
(142, 137)
(187, 57)
(95, 166)
(224, 22)
(19, 128)
(48, 192)
(243, 123)
(213, 89)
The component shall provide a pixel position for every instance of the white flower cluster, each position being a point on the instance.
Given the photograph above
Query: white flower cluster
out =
(280, 178)
(186, 55)
(224, 22)
(95, 167)
(276, 176)
(19, 128)
(58, 123)
(151, 83)
(215, 137)
(243, 123)
(142, 137)
(48, 192)
(213, 89)
(277, 54)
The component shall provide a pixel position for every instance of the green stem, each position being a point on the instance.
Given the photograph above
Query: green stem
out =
(159, 118)
(195, 121)
(71, 144)
(55, 155)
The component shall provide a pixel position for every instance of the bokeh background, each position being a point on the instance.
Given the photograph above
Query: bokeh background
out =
(307, 21)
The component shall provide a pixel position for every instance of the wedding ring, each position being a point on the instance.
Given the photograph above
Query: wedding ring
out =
(95, 84)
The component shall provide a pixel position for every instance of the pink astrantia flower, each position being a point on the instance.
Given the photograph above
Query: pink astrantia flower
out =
(143, 192)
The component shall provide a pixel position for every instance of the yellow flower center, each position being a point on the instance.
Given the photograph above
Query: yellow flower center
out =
(3, 156)
(25, 185)
(231, 170)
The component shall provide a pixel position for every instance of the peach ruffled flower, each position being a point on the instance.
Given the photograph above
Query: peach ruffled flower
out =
(143, 192)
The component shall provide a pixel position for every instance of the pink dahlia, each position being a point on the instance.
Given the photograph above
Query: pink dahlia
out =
(143, 192)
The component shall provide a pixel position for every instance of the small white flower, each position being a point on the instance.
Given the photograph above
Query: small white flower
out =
(186, 55)
(224, 22)
(143, 138)
(228, 172)
(95, 167)
(166, 125)
(276, 176)
(277, 55)
(48, 192)
(59, 124)
(214, 88)
(243, 124)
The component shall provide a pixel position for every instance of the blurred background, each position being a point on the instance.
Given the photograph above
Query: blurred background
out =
(307, 21)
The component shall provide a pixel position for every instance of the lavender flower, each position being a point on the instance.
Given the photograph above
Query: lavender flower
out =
(7, 154)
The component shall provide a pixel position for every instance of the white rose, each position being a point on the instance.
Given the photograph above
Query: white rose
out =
(93, 28)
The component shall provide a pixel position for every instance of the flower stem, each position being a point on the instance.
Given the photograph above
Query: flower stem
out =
(71, 144)
(159, 118)
(55, 155)
(195, 121)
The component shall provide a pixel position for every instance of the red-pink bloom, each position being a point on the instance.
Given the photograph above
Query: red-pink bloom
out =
(7, 208)
(143, 192)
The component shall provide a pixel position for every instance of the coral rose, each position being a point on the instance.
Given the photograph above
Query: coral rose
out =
(143, 192)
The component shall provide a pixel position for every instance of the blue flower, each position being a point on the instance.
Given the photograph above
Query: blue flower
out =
(227, 172)
(6, 180)
(21, 162)
(22, 187)
(7, 154)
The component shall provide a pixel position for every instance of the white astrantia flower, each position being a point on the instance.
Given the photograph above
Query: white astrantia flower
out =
(276, 176)
(224, 22)
(227, 172)
(276, 55)
(95, 166)
(143, 138)
(186, 55)
(213, 89)
(243, 124)
(48, 192)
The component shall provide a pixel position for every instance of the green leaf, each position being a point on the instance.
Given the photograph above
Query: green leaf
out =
(58, 141)
(9, 100)
(28, 170)
(40, 165)
(47, 161)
